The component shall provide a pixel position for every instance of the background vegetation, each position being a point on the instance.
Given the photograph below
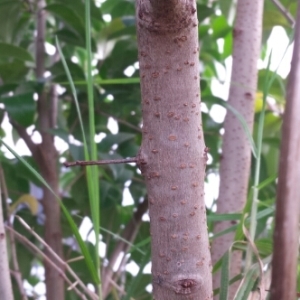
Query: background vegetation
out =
(117, 124)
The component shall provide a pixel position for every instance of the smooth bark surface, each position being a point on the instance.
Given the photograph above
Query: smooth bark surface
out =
(236, 150)
(286, 234)
(173, 155)
(46, 158)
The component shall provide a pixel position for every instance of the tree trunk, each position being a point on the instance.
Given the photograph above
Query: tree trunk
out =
(236, 150)
(286, 233)
(46, 158)
(173, 155)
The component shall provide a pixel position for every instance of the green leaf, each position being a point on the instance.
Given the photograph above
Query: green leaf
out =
(6, 88)
(10, 15)
(203, 12)
(220, 27)
(21, 108)
(68, 16)
(70, 37)
(118, 8)
(13, 71)
(226, 7)
(58, 71)
(112, 139)
(223, 217)
(227, 48)
(274, 18)
(11, 51)
(224, 277)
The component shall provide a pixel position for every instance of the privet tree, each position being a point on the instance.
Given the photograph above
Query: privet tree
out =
(236, 147)
(286, 232)
(173, 154)
(46, 156)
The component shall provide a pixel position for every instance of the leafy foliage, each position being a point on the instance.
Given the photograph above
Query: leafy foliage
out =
(114, 50)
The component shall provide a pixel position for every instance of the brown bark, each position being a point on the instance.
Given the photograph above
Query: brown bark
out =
(236, 150)
(47, 161)
(286, 234)
(173, 154)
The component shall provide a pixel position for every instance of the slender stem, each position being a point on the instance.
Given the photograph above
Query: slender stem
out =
(100, 162)
(92, 173)
(254, 206)
(69, 269)
(125, 242)
(15, 264)
(38, 251)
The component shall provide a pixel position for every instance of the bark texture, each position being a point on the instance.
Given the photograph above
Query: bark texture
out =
(46, 156)
(173, 155)
(286, 234)
(236, 150)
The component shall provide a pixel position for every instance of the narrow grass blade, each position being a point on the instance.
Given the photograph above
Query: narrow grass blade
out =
(262, 214)
(236, 278)
(223, 217)
(261, 284)
(254, 204)
(224, 277)
(92, 171)
(266, 182)
(73, 89)
(132, 80)
(246, 285)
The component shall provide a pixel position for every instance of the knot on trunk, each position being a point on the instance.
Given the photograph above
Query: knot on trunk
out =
(185, 286)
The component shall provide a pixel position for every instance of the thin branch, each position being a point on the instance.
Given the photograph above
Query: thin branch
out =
(286, 231)
(58, 258)
(25, 241)
(26, 137)
(284, 12)
(117, 287)
(40, 40)
(16, 270)
(101, 162)
(129, 234)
